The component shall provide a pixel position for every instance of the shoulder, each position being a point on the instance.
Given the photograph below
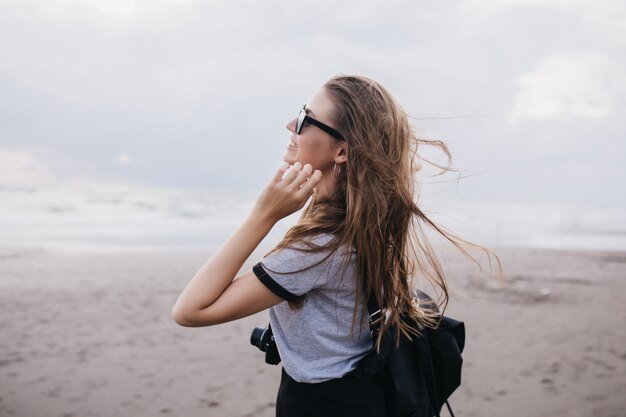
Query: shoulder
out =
(305, 251)
(320, 246)
(304, 265)
(316, 243)
(321, 239)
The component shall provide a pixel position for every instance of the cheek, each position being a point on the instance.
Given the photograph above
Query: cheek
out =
(313, 149)
(310, 152)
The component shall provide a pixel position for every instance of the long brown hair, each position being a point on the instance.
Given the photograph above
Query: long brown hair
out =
(373, 209)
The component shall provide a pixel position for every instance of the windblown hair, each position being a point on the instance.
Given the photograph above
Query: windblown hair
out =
(373, 209)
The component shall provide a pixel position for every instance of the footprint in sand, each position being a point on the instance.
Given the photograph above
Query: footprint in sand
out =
(549, 385)
(209, 403)
(595, 397)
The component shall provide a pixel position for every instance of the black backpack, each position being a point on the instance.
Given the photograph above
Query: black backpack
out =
(421, 373)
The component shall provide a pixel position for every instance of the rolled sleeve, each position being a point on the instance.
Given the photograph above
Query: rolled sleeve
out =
(269, 282)
(291, 272)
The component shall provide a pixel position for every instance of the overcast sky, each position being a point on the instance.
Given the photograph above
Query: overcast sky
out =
(529, 95)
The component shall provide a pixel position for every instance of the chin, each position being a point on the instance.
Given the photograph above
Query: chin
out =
(290, 159)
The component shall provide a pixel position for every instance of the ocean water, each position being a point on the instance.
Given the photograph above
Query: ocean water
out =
(119, 216)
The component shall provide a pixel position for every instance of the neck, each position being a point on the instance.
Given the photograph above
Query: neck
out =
(327, 185)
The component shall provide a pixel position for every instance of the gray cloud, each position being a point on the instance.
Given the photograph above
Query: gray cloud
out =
(197, 93)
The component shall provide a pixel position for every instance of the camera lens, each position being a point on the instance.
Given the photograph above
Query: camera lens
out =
(257, 338)
(263, 339)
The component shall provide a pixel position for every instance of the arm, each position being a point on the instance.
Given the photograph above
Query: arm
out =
(198, 304)
(214, 295)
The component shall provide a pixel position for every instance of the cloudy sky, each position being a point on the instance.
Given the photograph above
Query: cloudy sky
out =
(529, 95)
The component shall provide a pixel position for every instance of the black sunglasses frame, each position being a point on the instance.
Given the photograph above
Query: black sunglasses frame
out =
(304, 118)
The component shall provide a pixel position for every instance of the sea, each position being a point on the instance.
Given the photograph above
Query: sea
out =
(120, 216)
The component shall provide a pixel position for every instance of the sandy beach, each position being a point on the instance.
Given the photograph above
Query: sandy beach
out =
(91, 335)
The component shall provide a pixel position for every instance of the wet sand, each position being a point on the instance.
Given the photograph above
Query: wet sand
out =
(91, 335)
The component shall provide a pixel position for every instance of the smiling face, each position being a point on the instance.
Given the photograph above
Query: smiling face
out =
(313, 145)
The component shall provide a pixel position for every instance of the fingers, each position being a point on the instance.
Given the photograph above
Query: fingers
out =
(303, 175)
(292, 173)
(298, 174)
(280, 172)
(302, 178)
(307, 180)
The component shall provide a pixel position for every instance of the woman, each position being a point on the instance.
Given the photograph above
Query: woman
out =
(353, 151)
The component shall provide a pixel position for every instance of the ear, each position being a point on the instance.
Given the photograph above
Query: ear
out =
(341, 153)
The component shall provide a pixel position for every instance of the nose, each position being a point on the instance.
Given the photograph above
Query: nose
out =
(291, 126)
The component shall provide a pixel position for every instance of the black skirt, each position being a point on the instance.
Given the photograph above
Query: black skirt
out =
(347, 396)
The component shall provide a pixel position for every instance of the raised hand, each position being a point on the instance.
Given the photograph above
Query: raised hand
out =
(287, 192)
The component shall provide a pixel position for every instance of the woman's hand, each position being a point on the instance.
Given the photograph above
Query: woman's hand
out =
(287, 192)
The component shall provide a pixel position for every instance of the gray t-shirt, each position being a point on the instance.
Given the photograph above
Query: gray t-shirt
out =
(314, 341)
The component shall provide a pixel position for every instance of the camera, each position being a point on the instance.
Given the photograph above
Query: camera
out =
(263, 338)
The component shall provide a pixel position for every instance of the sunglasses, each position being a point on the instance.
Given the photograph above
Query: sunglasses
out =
(304, 118)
